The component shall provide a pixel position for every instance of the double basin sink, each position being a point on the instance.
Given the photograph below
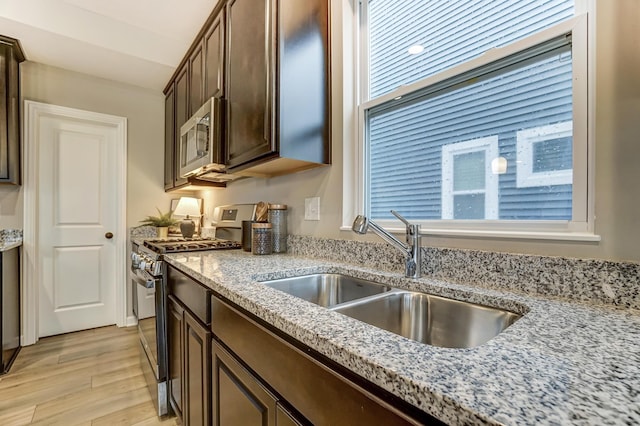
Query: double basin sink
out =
(425, 318)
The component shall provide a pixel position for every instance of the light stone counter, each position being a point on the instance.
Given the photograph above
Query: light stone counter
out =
(10, 238)
(561, 363)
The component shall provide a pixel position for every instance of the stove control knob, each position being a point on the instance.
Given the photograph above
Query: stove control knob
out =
(135, 259)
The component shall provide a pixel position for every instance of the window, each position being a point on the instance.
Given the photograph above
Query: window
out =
(545, 155)
(451, 88)
(469, 187)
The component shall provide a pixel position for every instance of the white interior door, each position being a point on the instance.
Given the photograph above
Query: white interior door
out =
(77, 212)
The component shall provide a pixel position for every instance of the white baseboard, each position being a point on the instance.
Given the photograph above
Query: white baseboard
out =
(131, 321)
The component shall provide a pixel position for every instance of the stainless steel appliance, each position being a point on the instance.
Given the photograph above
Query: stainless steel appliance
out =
(148, 271)
(201, 144)
(150, 305)
(228, 219)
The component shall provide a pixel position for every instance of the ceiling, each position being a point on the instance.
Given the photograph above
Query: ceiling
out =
(139, 42)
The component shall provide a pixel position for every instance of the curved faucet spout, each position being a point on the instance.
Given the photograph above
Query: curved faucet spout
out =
(361, 225)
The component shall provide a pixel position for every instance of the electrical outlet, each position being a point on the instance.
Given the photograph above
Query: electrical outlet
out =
(312, 208)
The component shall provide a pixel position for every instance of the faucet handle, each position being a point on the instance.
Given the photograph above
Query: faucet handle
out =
(396, 214)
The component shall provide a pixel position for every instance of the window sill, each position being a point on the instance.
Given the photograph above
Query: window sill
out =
(494, 234)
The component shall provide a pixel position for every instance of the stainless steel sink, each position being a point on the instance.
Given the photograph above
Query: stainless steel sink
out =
(434, 320)
(327, 289)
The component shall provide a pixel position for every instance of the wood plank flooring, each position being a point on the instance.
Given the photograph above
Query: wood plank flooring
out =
(91, 377)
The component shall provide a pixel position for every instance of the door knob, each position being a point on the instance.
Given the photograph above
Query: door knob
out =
(108, 235)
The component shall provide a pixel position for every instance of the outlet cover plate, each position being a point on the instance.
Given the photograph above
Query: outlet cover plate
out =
(312, 208)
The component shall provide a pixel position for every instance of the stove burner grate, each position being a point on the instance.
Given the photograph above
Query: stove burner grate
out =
(179, 245)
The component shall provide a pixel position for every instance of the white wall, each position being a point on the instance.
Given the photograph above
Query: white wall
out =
(144, 110)
(10, 207)
(617, 130)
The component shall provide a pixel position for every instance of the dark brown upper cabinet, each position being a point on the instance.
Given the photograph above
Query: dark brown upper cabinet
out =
(268, 60)
(250, 84)
(169, 139)
(181, 116)
(277, 86)
(214, 58)
(196, 79)
(199, 77)
(11, 55)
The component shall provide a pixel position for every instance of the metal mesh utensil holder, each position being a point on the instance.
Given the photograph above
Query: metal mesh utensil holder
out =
(261, 238)
(278, 220)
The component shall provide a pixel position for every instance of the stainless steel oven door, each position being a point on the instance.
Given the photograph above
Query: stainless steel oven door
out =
(146, 289)
(151, 310)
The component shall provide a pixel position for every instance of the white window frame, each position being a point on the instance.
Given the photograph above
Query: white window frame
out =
(490, 147)
(581, 228)
(525, 176)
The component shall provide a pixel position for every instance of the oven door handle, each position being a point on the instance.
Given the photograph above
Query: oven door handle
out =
(145, 279)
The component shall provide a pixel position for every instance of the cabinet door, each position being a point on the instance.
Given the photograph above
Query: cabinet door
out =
(169, 139)
(10, 307)
(175, 327)
(250, 80)
(214, 58)
(182, 115)
(284, 417)
(197, 375)
(196, 76)
(238, 397)
(9, 116)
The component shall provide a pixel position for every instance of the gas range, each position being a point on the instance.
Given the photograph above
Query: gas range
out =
(148, 257)
(179, 245)
(150, 292)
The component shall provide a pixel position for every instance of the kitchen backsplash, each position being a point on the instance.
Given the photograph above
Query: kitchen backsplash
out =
(143, 231)
(582, 280)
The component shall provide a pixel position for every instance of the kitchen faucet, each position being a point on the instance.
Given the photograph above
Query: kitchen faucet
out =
(411, 249)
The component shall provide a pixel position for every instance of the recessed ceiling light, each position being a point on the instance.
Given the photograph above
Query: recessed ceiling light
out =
(415, 49)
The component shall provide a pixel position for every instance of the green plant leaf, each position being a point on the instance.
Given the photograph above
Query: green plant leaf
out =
(163, 219)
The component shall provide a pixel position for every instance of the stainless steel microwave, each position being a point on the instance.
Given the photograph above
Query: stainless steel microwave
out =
(201, 141)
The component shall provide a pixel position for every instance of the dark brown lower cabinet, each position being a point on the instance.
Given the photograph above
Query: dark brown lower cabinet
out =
(284, 417)
(189, 360)
(175, 342)
(257, 373)
(189, 348)
(240, 399)
(227, 367)
(9, 307)
(197, 356)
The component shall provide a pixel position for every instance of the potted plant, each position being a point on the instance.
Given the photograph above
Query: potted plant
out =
(162, 222)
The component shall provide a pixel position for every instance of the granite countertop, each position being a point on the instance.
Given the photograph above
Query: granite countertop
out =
(561, 363)
(10, 238)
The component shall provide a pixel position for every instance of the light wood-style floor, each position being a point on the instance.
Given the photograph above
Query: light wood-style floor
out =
(91, 377)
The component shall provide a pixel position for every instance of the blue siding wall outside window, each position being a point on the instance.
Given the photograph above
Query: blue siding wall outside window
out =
(405, 143)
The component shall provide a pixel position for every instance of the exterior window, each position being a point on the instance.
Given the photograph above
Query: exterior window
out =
(469, 187)
(451, 88)
(545, 155)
